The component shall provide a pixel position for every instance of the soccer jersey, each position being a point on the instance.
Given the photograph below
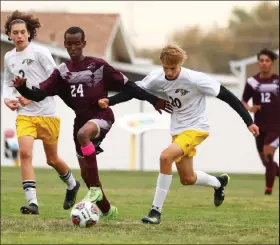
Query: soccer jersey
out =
(34, 63)
(80, 85)
(187, 95)
(264, 92)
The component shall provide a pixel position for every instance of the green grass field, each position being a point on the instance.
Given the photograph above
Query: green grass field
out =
(189, 216)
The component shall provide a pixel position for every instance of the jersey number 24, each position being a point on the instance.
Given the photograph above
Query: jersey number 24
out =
(77, 90)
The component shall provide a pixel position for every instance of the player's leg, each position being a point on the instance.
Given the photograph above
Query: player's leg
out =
(271, 143)
(87, 148)
(183, 145)
(270, 169)
(48, 131)
(93, 129)
(190, 177)
(65, 174)
(107, 210)
(164, 180)
(26, 132)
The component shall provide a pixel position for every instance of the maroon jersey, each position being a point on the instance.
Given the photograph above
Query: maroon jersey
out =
(264, 92)
(80, 85)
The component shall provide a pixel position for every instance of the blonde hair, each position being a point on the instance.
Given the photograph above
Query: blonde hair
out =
(172, 54)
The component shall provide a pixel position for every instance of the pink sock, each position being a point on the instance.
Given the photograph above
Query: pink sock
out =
(88, 150)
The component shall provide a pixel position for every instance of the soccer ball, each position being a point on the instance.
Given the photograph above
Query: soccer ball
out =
(85, 214)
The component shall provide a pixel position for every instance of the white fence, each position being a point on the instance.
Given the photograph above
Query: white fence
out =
(230, 147)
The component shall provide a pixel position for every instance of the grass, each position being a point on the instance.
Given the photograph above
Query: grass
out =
(189, 216)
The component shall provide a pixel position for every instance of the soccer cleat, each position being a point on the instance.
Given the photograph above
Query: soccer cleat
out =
(152, 218)
(31, 209)
(94, 195)
(219, 194)
(70, 197)
(113, 212)
(268, 191)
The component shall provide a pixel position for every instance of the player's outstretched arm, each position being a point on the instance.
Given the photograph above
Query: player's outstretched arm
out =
(131, 90)
(228, 97)
(31, 94)
(119, 98)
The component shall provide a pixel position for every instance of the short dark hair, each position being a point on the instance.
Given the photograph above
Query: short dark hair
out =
(74, 30)
(273, 56)
(30, 21)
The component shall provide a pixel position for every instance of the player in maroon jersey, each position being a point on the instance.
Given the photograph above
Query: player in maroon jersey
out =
(80, 82)
(263, 88)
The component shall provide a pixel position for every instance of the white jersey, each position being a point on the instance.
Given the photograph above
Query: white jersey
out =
(187, 95)
(36, 64)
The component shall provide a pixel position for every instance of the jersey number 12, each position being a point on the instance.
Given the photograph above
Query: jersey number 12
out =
(77, 90)
(265, 98)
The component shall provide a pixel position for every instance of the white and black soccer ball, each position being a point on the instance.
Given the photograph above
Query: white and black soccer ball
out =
(85, 214)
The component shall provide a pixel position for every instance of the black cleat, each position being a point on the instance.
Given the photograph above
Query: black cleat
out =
(70, 197)
(219, 194)
(152, 218)
(31, 209)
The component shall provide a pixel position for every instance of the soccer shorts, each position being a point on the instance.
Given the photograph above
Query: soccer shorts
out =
(43, 128)
(104, 120)
(188, 140)
(267, 138)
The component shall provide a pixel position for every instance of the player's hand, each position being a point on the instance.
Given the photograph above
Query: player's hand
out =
(254, 129)
(23, 101)
(18, 81)
(254, 108)
(12, 104)
(163, 105)
(103, 103)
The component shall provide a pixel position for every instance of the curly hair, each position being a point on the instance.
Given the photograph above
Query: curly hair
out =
(31, 23)
(273, 56)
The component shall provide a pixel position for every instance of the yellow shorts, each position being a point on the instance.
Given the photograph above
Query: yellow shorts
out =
(188, 140)
(43, 128)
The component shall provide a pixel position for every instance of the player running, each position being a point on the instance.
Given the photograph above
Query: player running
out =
(186, 90)
(35, 120)
(263, 88)
(80, 82)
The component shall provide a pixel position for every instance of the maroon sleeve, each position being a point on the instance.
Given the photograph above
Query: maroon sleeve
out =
(113, 79)
(50, 84)
(247, 93)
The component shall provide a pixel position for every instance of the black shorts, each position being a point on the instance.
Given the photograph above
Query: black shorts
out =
(267, 138)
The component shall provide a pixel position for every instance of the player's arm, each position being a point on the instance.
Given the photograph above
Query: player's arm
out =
(209, 86)
(47, 87)
(228, 97)
(246, 96)
(46, 60)
(8, 97)
(116, 81)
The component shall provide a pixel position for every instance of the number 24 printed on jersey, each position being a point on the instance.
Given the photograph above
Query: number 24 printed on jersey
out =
(77, 90)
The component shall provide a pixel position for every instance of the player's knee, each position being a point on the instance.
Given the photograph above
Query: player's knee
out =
(188, 180)
(82, 136)
(268, 157)
(25, 154)
(165, 158)
(53, 161)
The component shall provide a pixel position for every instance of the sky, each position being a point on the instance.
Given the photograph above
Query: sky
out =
(148, 24)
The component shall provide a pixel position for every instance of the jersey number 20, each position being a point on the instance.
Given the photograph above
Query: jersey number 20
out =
(77, 90)
(175, 102)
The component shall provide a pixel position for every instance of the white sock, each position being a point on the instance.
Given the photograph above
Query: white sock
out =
(68, 178)
(163, 184)
(29, 187)
(207, 180)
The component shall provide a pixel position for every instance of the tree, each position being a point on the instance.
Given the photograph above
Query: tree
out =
(247, 32)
